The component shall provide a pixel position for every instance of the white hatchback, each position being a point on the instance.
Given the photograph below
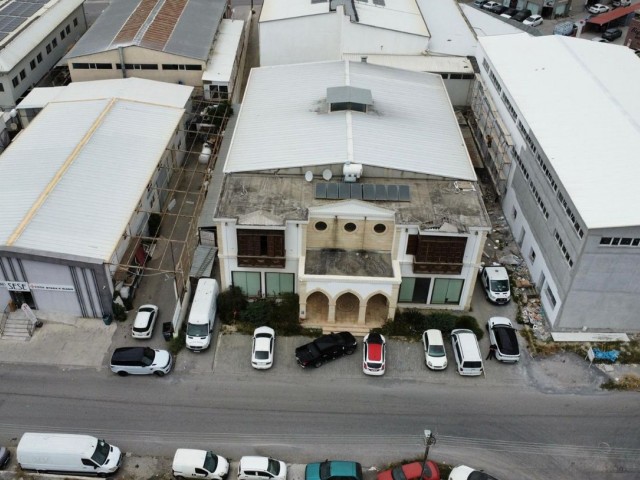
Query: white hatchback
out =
(435, 355)
(262, 351)
(261, 468)
(144, 322)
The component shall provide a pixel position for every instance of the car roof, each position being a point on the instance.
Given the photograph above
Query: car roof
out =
(434, 336)
(341, 468)
(374, 352)
(254, 463)
(129, 353)
(263, 343)
(142, 319)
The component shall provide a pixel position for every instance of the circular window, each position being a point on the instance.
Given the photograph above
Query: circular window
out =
(379, 228)
(350, 227)
(321, 226)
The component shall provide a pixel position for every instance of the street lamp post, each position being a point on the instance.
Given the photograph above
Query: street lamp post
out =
(429, 440)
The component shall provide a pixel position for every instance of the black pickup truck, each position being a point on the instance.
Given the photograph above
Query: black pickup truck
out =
(326, 347)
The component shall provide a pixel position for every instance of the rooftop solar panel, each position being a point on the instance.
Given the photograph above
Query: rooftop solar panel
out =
(321, 190)
(381, 192)
(356, 191)
(368, 191)
(344, 191)
(392, 193)
(332, 190)
(403, 193)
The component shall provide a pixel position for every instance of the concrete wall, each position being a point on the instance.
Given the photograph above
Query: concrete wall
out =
(314, 38)
(137, 55)
(363, 238)
(605, 293)
(48, 60)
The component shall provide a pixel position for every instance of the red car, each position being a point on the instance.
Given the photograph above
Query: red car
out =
(412, 471)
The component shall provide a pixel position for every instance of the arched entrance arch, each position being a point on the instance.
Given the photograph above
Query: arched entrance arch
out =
(347, 308)
(377, 310)
(317, 307)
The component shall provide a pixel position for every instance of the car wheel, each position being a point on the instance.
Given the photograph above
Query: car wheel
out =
(180, 477)
(122, 373)
(350, 351)
(318, 363)
(158, 373)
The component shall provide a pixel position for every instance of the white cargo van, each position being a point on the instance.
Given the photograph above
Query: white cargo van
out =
(202, 315)
(190, 463)
(67, 453)
(495, 281)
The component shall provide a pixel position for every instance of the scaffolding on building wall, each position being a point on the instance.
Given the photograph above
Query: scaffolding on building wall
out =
(165, 246)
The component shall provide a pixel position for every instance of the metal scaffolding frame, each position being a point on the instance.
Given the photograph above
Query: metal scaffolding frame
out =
(171, 251)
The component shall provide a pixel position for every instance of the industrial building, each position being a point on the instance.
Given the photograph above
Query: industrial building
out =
(358, 194)
(559, 129)
(190, 42)
(87, 172)
(34, 36)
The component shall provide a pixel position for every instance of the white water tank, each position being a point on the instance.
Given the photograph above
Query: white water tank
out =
(351, 171)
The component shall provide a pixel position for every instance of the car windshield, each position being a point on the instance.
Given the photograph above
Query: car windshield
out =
(499, 286)
(210, 462)
(274, 467)
(149, 355)
(325, 470)
(101, 453)
(472, 364)
(436, 351)
(194, 330)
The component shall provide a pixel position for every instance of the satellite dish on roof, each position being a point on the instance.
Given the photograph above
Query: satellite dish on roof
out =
(308, 176)
(326, 174)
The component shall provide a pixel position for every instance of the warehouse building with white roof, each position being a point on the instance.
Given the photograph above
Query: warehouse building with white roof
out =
(34, 36)
(569, 123)
(84, 176)
(358, 194)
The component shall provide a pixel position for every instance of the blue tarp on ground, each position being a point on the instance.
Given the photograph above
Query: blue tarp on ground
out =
(611, 355)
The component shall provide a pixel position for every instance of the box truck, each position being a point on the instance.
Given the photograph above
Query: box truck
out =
(67, 454)
(202, 315)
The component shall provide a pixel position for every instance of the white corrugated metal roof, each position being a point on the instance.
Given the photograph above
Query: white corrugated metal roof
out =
(78, 172)
(487, 24)
(450, 33)
(416, 63)
(581, 100)
(398, 15)
(17, 46)
(281, 9)
(138, 89)
(225, 49)
(283, 121)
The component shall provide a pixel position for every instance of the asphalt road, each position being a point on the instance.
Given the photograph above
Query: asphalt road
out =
(512, 431)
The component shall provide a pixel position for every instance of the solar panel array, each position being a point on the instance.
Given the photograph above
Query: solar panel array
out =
(16, 12)
(363, 191)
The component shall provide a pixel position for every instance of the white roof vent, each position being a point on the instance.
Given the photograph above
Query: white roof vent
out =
(352, 172)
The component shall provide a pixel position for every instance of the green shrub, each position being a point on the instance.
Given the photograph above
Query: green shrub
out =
(119, 312)
(411, 323)
(258, 312)
(470, 323)
(177, 343)
(231, 303)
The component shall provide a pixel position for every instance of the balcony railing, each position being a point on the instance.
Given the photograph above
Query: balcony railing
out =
(431, 267)
(262, 262)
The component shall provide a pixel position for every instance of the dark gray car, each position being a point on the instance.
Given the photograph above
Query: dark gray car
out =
(5, 456)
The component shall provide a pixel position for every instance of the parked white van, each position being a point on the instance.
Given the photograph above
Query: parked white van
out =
(190, 463)
(466, 352)
(67, 453)
(202, 315)
(495, 281)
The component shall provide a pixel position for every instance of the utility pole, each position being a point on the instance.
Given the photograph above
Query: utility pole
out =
(429, 440)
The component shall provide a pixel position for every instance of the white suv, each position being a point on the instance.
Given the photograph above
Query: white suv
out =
(140, 361)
